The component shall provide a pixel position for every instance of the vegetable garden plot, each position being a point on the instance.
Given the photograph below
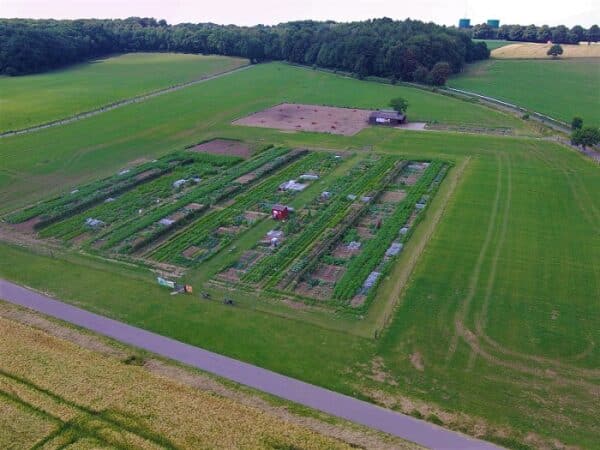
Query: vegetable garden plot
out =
(273, 269)
(143, 230)
(337, 241)
(355, 254)
(133, 203)
(86, 196)
(205, 232)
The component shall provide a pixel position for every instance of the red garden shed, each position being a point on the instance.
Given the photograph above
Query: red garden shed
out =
(279, 212)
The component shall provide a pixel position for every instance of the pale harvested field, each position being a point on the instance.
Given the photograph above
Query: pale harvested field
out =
(530, 50)
(61, 387)
(47, 385)
(320, 119)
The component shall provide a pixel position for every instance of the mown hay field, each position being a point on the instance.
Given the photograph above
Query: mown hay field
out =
(56, 394)
(33, 99)
(561, 89)
(531, 50)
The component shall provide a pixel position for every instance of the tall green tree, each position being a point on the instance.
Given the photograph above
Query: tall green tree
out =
(399, 104)
(586, 136)
(576, 123)
(555, 51)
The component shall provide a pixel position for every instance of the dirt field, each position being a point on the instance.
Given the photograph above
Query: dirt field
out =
(321, 119)
(393, 196)
(328, 273)
(224, 147)
(538, 51)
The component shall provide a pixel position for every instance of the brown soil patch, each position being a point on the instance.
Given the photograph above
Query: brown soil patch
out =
(228, 230)
(409, 179)
(412, 218)
(328, 273)
(230, 274)
(190, 252)
(177, 216)
(320, 292)
(364, 232)
(224, 147)
(79, 239)
(392, 196)
(245, 179)
(146, 174)
(358, 300)
(342, 251)
(416, 359)
(28, 226)
(379, 372)
(298, 117)
(99, 243)
(193, 206)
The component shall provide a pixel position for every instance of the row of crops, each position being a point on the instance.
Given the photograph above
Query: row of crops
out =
(372, 254)
(86, 196)
(202, 233)
(354, 185)
(135, 201)
(208, 193)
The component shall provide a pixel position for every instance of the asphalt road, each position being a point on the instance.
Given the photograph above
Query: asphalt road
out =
(400, 425)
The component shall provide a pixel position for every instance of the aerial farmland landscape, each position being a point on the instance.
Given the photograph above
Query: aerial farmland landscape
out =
(323, 232)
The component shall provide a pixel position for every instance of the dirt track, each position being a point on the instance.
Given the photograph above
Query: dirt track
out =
(339, 405)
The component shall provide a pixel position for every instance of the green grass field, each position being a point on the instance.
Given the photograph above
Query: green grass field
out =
(561, 89)
(496, 329)
(167, 123)
(34, 99)
(493, 44)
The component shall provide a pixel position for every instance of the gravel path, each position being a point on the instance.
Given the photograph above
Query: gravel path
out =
(330, 402)
(119, 104)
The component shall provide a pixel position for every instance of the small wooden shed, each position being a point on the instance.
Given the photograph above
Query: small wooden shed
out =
(279, 212)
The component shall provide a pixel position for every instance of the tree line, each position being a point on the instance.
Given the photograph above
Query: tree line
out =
(407, 50)
(541, 34)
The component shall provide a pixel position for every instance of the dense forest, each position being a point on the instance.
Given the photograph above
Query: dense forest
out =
(532, 33)
(405, 50)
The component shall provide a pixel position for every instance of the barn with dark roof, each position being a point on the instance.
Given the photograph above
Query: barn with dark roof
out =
(387, 118)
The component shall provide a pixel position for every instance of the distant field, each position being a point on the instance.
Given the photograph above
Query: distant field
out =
(35, 99)
(561, 89)
(531, 50)
(493, 44)
(55, 394)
